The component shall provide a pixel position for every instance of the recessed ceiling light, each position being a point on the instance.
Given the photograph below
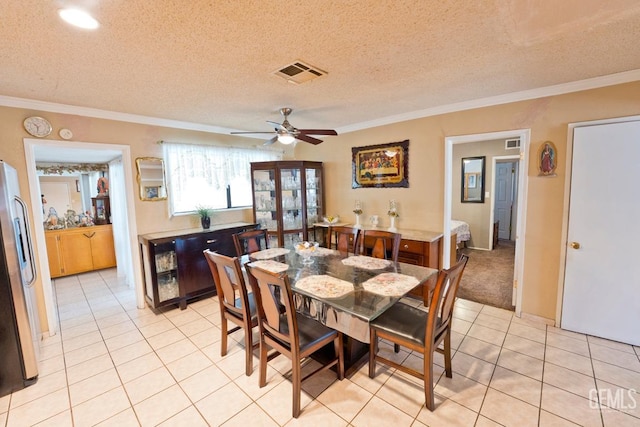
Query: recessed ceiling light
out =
(78, 18)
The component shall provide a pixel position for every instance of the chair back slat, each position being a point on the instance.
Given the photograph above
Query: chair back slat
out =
(383, 242)
(379, 249)
(250, 241)
(229, 281)
(274, 299)
(347, 238)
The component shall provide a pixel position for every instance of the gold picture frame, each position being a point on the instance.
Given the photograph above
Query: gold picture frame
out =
(151, 180)
(382, 165)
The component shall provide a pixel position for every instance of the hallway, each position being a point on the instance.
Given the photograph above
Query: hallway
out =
(488, 277)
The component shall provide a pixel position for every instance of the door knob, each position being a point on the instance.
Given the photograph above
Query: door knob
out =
(575, 245)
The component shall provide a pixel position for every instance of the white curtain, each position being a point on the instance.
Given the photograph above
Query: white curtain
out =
(197, 174)
(120, 223)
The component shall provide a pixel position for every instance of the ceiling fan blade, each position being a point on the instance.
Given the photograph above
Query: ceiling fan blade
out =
(271, 141)
(318, 131)
(309, 139)
(278, 126)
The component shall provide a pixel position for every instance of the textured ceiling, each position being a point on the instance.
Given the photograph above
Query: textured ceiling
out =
(211, 62)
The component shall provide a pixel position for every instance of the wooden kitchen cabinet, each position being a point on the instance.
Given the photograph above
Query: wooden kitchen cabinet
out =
(174, 267)
(103, 252)
(53, 254)
(81, 249)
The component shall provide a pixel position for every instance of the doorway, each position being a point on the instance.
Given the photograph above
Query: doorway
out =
(32, 148)
(524, 135)
(505, 191)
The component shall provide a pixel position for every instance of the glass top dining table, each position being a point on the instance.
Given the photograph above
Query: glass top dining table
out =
(344, 292)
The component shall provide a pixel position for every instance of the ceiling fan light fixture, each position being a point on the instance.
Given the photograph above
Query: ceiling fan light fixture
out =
(286, 139)
(78, 18)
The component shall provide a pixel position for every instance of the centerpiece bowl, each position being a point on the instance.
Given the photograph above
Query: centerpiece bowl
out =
(331, 219)
(306, 249)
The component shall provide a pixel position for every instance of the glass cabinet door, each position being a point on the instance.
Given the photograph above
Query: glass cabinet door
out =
(167, 271)
(291, 199)
(315, 209)
(264, 200)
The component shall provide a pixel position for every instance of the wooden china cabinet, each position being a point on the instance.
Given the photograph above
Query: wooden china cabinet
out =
(288, 198)
(101, 210)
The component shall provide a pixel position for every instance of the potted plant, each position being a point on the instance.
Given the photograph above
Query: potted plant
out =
(205, 215)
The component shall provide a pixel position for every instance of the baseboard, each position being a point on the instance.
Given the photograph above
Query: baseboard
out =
(536, 318)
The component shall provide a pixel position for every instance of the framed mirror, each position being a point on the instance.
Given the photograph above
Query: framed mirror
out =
(151, 182)
(472, 180)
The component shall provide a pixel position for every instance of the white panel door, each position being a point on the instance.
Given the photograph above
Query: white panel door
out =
(504, 197)
(602, 276)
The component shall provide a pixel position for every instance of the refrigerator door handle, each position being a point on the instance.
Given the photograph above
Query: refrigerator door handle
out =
(27, 226)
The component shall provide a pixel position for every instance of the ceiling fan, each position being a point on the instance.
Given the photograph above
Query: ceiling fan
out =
(285, 133)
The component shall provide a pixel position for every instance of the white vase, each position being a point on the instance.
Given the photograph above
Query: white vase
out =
(357, 225)
(393, 224)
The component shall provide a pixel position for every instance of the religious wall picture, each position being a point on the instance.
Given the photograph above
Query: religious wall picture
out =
(383, 165)
(547, 159)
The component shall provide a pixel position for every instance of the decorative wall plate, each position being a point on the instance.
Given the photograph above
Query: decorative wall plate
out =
(65, 133)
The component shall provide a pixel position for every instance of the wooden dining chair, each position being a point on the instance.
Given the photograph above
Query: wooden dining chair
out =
(236, 303)
(288, 332)
(347, 239)
(386, 244)
(419, 330)
(250, 241)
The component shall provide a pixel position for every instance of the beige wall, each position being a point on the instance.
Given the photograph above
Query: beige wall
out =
(420, 205)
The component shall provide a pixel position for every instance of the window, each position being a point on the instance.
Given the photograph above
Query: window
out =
(217, 177)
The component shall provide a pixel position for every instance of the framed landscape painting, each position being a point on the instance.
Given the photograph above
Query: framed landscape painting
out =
(383, 165)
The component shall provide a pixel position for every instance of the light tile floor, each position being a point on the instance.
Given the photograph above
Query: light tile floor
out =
(114, 364)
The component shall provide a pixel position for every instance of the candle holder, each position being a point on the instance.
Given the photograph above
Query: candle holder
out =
(393, 214)
(358, 211)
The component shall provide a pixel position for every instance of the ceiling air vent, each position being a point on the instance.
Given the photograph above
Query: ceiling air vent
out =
(299, 72)
(511, 144)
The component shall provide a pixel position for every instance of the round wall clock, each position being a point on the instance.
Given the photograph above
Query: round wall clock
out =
(65, 133)
(37, 126)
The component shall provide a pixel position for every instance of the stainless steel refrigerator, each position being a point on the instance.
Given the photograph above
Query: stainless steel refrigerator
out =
(19, 324)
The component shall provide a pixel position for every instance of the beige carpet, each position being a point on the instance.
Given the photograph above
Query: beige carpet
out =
(488, 277)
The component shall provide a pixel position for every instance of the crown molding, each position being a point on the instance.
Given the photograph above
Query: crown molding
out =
(576, 86)
(52, 107)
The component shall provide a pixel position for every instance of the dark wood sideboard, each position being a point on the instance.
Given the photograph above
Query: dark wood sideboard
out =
(174, 268)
